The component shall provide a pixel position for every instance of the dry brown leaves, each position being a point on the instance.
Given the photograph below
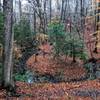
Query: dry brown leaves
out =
(49, 91)
(59, 90)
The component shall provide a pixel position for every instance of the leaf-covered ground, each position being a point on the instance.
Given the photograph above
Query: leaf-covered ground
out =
(47, 65)
(87, 90)
(82, 90)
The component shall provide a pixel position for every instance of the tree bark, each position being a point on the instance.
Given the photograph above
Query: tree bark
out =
(20, 9)
(62, 9)
(8, 43)
(0, 6)
(35, 22)
(45, 17)
(50, 10)
(64, 18)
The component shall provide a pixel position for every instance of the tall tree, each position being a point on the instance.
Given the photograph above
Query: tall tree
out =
(45, 16)
(65, 10)
(20, 8)
(0, 6)
(8, 43)
(35, 22)
(50, 3)
(62, 9)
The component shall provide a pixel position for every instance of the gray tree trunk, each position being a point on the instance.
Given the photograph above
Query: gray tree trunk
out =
(50, 2)
(20, 9)
(0, 5)
(35, 22)
(8, 43)
(45, 17)
(62, 10)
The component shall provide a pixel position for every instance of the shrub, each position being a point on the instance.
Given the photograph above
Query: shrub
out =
(56, 36)
(66, 43)
(22, 31)
(91, 70)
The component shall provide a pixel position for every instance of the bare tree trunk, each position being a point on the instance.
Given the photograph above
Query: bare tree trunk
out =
(8, 43)
(97, 19)
(62, 9)
(34, 22)
(73, 52)
(0, 6)
(45, 17)
(50, 10)
(64, 18)
(82, 15)
(41, 16)
(20, 9)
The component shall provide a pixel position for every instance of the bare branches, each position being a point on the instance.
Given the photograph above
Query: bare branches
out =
(39, 7)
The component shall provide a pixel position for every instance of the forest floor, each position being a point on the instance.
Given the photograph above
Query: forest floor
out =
(79, 90)
(48, 65)
(87, 90)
